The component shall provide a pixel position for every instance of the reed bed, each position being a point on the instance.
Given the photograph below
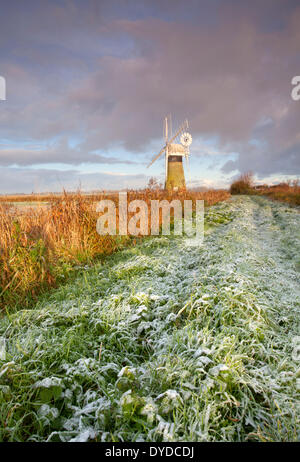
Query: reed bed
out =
(288, 192)
(41, 246)
(284, 192)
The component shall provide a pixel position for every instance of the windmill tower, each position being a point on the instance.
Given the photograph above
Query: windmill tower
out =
(174, 152)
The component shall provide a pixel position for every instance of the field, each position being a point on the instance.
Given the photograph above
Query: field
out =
(284, 192)
(289, 193)
(42, 244)
(166, 341)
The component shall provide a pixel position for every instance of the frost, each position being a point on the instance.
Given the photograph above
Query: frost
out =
(171, 317)
(4, 389)
(48, 382)
(170, 342)
(143, 326)
(5, 368)
(126, 398)
(142, 309)
(67, 394)
(47, 414)
(215, 371)
(202, 351)
(129, 372)
(150, 411)
(166, 429)
(203, 360)
(84, 436)
(170, 400)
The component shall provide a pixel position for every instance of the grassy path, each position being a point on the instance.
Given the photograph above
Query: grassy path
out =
(167, 341)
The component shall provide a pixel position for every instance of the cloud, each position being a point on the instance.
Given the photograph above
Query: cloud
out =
(109, 75)
(25, 180)
(57, 153)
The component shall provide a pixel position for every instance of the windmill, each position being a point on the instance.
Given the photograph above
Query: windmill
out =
(174, 152)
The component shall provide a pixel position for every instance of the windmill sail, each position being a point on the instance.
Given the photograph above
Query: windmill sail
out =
(156, 157)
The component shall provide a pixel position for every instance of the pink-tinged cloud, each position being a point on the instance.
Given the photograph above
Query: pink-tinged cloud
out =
(112, 75)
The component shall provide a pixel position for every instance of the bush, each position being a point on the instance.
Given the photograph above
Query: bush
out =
(243, 185)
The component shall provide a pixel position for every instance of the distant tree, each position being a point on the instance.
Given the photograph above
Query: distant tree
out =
(153, 183)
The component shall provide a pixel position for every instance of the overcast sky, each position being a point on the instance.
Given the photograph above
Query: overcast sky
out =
(89, 83)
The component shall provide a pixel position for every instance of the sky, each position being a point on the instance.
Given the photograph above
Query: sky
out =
(89, 82)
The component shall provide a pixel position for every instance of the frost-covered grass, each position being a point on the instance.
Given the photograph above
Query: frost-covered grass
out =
(166, 341)
(41, 246)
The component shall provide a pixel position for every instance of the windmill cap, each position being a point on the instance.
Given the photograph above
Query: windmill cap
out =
(174, 147)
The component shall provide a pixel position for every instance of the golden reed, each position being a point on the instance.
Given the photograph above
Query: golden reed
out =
(39, 246)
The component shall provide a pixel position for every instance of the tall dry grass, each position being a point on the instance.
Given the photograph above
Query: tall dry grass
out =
(40, 246)
(285, 192)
